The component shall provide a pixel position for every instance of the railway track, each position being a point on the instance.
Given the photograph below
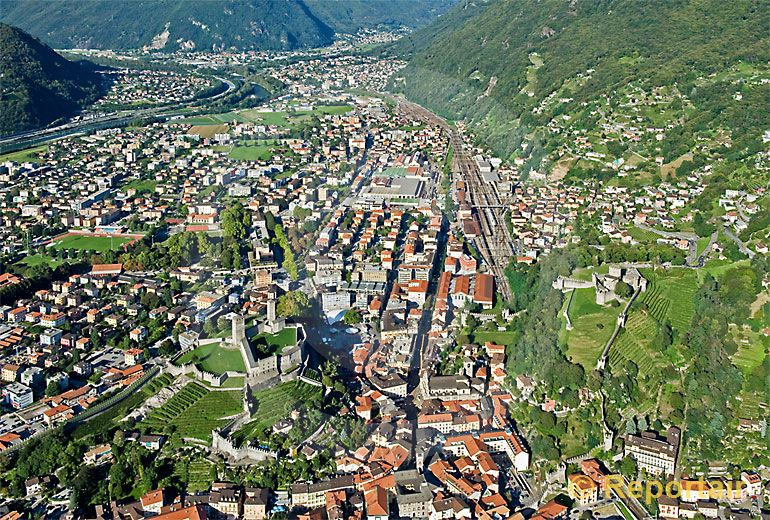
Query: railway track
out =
(495, 243)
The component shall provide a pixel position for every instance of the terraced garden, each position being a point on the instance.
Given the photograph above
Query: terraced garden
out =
(196, 472)
(276, 403)
(751, 349)
(195, 411)
(670, 296)
(633, 344)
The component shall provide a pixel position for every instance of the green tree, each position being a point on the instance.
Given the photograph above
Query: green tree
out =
(293, 304)
(352, 317)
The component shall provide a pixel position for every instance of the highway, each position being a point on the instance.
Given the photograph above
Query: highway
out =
(31, 138)
(494, 244)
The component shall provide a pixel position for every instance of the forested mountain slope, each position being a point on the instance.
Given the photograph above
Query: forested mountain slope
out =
(511, 66)
(37, 85)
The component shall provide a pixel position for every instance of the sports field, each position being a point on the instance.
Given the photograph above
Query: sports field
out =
(285, 119)
(91, 243)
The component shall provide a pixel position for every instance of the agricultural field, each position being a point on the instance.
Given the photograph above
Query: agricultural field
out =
(670, 295)
(109, 418)
(194, 411)
(207, 131)
(215, 359)
(592, 327)
(91, 243)
(276, 403)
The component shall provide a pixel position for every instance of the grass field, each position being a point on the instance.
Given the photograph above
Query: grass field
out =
(702, 243)
(91, 243)
(194, 411)
(215, 359)
(214, 119)
(592, 327)
(252, 152)
(717, 268)
(276, 403)
(30, 154)
(642, 235)
(670, 295)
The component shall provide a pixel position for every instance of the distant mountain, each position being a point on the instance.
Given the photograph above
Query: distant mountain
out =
(170, 24)
(494, 62)
(209, 24)
(37, 85)
(348, 16)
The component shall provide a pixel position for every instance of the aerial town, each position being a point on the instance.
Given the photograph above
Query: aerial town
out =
(301, 308)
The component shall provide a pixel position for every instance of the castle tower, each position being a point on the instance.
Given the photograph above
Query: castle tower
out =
(271, 310)
(468, 366)
(239, 329)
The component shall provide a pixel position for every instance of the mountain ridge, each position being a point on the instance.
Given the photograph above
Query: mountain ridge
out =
(171, 25)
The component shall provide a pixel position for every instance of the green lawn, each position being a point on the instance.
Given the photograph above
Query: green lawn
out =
(592, 327)
(277, 342)
(717, 268)
(288, 119)
(498, 337)
(90, 243)
(38, 259)
(215, 359)
(642, 235)
(276, 403)
(702, 243)
(142, 186)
